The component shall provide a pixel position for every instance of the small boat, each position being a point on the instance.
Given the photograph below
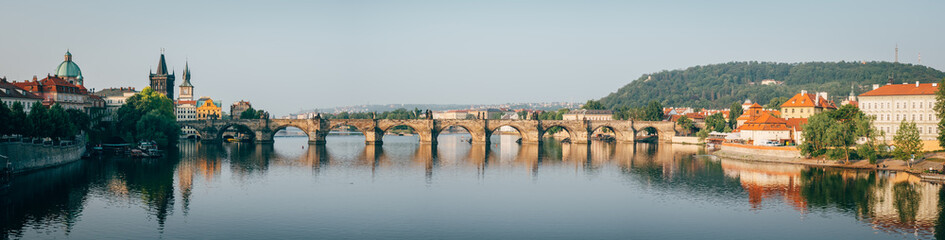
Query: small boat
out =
(138, 153)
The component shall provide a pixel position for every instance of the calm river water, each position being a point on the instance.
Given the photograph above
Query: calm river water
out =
(404, 190)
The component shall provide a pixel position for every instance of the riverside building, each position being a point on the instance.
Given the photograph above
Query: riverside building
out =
(893, 103)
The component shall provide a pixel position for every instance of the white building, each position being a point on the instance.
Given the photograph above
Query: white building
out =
(584, 114)
(893, 103)
(10, 94)
(114, 98)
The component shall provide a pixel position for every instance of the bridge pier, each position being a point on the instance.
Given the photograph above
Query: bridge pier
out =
(373, 137)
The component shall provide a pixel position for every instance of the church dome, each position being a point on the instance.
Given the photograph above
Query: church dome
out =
(68, 68)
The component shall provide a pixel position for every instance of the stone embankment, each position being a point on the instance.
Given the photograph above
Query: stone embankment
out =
(26, 156)
(792, 155)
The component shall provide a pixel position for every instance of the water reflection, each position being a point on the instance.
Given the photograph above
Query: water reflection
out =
(51, 202)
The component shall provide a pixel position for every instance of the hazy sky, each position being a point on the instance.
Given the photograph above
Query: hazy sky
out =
(287, 55)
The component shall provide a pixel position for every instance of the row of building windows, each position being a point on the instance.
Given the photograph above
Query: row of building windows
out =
(899, 105)
(891, 131)
(900, 117)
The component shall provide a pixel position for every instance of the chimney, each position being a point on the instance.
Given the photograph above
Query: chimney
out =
(875, 86)
(935, 84)
(916, 83)
(803, 92)
(34, 78)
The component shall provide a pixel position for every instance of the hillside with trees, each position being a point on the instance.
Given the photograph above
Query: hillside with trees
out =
(719, 85)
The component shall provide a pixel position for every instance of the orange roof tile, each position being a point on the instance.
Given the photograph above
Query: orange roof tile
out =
(765, 122)
(903, 89)
(797, 123)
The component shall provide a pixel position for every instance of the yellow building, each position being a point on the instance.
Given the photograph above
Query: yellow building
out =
(804, 104)
(208, 110)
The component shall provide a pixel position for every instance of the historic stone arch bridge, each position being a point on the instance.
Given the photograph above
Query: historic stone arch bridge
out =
(531, 131)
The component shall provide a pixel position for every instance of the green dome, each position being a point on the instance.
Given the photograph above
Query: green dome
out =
(68, 69)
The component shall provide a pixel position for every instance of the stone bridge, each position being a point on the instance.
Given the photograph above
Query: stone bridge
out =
(531, 131)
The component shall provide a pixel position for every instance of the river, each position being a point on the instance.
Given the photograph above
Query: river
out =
(405, 190)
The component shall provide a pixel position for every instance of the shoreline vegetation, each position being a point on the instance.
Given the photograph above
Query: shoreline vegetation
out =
(920, 166)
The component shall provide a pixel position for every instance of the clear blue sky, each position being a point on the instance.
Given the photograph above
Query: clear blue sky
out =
(287, 55)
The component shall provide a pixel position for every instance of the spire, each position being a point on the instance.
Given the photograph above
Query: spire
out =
(851, 89)
(162, 67)
(186, 73)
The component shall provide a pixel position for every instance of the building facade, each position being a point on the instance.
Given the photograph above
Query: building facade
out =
(10, 94)
(208, 109)
(186, 107)
(55, 90)
(893, 103)
(162, 81)
(114, 98)
(804, 104)
(238, 108)
(585, 114)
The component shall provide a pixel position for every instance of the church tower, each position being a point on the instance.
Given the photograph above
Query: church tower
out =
(186, 90)
(162, 81)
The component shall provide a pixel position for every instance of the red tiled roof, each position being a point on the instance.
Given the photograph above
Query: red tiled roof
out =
(903, 89)
(797, 123)
(765, 122)
(808, 100)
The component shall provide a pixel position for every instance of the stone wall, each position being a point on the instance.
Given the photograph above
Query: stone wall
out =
(26, 156)
(751, 152)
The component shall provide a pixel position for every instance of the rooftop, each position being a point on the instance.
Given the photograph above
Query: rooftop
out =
(904, 89)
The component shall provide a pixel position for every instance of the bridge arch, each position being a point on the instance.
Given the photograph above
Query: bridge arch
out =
(476, 129)
(238, 127)
(572, 136)
(664, 130)
(420, 127)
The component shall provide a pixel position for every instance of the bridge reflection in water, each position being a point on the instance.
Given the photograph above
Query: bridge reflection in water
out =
(50, 202)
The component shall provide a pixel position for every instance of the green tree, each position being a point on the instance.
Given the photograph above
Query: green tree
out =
(593, 105)
(940, 112)
(776, 102)
(907, 140)
(686, 125)
(653, 111)
(734, 111)
(38, 123)
(159, 125)
(715, 122)
(6, 116)
(19, 122)
(250, 113)
(60, 124)
(834, 133)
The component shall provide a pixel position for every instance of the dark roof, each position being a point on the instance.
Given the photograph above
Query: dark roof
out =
(186, 82)
(8, 90)
(162, 67)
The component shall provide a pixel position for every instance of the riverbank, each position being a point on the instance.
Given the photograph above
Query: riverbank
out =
(27, 156)
(791, 155)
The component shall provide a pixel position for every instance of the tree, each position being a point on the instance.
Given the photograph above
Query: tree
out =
(159, 125)
(18, 123)
(716, 122)
(653, 111)
(249, 113)
(38, 123)
(940, 112)
(5, 117)
(60, 124)
(833, 134)
(593, 105)
(907, 141)
(734, 111)
(686, 125)
(775, 103)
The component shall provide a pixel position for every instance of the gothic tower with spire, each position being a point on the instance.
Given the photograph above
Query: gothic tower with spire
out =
(186, 90)
(162, 81)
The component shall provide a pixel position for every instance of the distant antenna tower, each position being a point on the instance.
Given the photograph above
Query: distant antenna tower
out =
(897, 53)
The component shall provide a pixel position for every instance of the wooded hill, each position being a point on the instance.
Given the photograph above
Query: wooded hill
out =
(719, 85)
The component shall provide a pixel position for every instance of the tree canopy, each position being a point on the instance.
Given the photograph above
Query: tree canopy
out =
(148, 115)
(717, 85)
